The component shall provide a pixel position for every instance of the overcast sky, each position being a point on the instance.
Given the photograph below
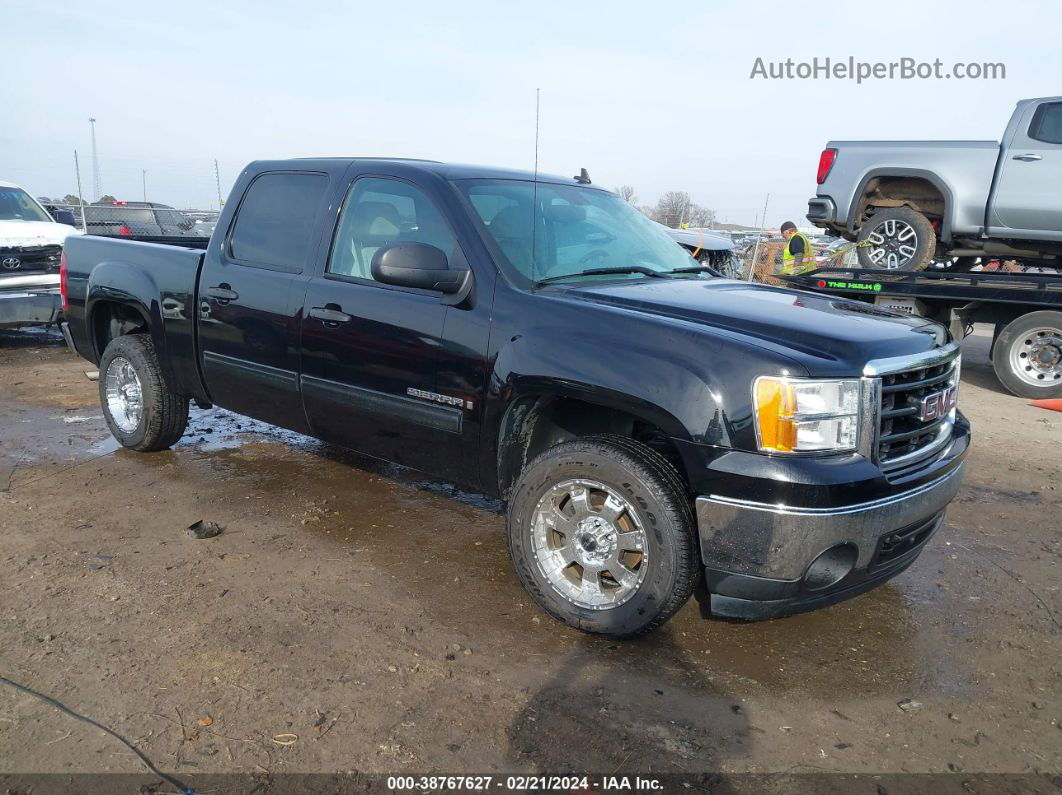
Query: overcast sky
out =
(655, 95)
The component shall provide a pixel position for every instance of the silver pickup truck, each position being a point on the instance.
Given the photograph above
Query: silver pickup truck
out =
(908, 203)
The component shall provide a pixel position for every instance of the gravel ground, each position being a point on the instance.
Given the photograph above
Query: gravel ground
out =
(354, 616)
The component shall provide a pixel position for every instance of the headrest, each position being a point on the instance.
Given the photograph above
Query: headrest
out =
(512, 222)
(375, 218)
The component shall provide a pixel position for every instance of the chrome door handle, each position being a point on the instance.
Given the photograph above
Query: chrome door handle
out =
(1028, 157)
(330, 315)
(222, 293)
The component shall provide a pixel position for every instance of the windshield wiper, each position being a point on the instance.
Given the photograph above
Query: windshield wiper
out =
(698, 269)
(605, 271)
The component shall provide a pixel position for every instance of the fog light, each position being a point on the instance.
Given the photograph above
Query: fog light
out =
(831, 567)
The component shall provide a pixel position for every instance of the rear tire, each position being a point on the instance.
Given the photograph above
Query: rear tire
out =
(601, 533)
(1027, 355)
(896, 238)
(141, 410)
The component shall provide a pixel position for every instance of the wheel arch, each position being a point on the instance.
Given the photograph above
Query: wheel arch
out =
(895, 180)
(124, 298)
(535, 421)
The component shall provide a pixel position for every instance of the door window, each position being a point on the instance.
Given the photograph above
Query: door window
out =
(275, 220)
(1047, 124)
(379, 212)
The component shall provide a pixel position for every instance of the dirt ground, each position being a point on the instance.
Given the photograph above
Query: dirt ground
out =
(354, 616)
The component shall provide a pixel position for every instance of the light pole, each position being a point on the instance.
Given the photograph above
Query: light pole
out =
(143, 179)
(95, 162)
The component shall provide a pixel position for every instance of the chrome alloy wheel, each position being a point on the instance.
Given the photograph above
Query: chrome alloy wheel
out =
(125, 398)
(1036, 357)
(892, 244)
(589, 544)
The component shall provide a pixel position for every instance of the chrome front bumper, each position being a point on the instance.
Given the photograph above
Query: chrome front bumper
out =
(759, 553)
(29, 307)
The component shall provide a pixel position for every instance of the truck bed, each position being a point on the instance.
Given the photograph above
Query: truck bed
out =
(123, 271)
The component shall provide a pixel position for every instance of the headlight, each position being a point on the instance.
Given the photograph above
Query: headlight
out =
(795, 415)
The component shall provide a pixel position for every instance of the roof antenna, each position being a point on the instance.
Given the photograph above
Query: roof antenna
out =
(583, 178)
(537, 91)
(534, 194)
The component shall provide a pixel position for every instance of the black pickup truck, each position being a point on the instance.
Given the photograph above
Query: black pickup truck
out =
(655, 430)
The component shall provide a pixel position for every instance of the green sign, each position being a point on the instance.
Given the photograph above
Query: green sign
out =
(874, 288)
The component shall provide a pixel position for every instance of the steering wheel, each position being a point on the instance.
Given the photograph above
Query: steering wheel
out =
(592, 255)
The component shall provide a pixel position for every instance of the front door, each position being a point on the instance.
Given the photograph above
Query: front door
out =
(370, 351)
(1028, 197)
(250, 298)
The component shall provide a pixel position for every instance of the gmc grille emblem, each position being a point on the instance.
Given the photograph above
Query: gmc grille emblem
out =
(937, 404)
(11, 263)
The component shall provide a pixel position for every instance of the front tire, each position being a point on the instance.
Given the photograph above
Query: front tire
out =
(601, 533)
(896, 238)
(1027, 355)
(141, 410)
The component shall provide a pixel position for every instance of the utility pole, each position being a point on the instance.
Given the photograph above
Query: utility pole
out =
(95, 162)
(143, 181)
(77, 171)
(217, 181)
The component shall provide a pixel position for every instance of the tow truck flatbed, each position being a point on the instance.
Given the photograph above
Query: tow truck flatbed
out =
(1024, 308)
(1042, 289)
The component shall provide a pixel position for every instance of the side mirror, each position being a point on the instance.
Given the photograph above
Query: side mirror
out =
(417, 265)
(64, 217)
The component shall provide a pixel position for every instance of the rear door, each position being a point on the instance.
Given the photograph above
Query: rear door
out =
(371, 351)
(250, 297)
(1028, 197)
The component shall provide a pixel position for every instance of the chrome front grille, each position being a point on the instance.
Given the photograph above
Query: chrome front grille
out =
(908, 430)
(28, 259)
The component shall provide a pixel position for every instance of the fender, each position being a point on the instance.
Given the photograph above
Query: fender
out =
(929, 176)
(654, 383)
(131, 286)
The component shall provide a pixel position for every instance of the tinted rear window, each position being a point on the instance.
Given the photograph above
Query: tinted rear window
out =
(275, 220)
(131, 216)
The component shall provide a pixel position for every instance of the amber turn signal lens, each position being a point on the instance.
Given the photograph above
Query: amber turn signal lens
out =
(775, 407)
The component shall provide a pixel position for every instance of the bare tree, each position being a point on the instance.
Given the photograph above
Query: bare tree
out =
(675, 209)
(672, 209)
(626, 192)
(698, 216)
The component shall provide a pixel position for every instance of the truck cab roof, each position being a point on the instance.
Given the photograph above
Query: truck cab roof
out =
(448, 171)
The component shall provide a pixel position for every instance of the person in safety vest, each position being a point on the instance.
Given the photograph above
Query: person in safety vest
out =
(797, 255)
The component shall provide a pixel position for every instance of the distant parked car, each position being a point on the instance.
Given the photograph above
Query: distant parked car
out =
(204, 227)
(709, 248)
(138, 219)
(838, 253)
(31, 245)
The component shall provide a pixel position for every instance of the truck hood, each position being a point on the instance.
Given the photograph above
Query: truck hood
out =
(34, 233)
(825, 334)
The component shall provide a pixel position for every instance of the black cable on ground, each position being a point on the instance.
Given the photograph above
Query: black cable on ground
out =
(65, 709)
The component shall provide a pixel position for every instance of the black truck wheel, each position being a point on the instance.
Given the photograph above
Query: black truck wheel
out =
(896, 238)
(601, 533)
(141, 411)
(1027, 355)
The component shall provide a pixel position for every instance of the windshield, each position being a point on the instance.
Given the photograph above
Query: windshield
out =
(576, 229)
(16, 205)
(174, 218)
